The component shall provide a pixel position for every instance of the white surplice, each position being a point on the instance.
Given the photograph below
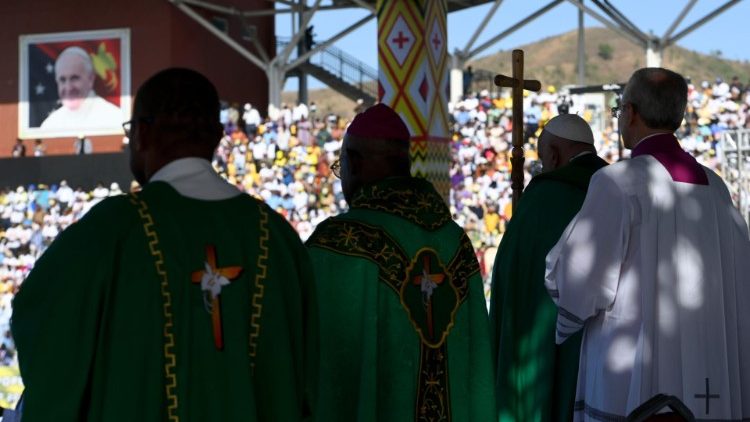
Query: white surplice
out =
(195, 178)
(658, 273)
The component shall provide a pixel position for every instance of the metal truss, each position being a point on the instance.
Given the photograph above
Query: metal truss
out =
(604, 12)
(280, 64)
(653, 44)
(276, 67)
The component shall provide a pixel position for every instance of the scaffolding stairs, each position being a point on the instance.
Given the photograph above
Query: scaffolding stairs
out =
(340, 71)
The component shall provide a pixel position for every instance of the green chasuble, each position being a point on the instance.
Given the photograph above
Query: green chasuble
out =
(160, 307)
(404, 332)
(536, 380)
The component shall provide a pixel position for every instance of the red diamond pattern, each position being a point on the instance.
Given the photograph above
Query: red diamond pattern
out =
(424, 88)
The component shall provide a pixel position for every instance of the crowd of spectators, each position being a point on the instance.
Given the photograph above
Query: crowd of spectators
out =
(285, 160)
(480, 171)
(30, 219)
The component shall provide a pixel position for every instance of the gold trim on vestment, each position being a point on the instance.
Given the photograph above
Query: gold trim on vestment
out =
(170, 359)
(259, 291)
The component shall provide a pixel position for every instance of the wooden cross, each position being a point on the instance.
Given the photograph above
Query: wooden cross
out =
(212, 279)
(518, 83)
(428, 282)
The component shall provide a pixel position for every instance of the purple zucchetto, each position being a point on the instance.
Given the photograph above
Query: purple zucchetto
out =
(379, 122)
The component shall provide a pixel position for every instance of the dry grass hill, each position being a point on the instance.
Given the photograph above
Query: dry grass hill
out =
(610, 58)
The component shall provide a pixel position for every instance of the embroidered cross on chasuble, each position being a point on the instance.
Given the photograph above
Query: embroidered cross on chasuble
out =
(211, 280)
(427, 283)
(429, 291)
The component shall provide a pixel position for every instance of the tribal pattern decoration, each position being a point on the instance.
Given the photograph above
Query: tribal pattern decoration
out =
(413, 79)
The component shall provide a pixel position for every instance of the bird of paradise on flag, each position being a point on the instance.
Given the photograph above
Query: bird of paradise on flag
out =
(105, 66)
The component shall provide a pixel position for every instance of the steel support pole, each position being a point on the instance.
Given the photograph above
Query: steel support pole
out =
(581, 48)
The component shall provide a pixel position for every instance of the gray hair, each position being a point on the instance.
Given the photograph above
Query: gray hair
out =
(75, 51)
(659, 96)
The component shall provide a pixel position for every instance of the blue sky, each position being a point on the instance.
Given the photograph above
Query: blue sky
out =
(728, 32)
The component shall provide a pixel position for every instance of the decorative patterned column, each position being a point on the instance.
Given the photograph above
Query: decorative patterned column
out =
(413, 79)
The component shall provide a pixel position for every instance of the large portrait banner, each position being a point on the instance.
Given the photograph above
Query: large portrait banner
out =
(74, 83)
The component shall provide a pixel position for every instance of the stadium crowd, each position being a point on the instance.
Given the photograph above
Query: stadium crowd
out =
(285, 160)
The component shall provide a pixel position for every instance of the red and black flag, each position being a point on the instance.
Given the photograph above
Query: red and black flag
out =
(42, 88)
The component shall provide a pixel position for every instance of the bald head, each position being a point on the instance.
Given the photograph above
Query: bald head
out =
(175, 115)
(184, 105)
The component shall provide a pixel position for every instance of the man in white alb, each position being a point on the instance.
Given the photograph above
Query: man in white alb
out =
(656, 269)
(81, 107)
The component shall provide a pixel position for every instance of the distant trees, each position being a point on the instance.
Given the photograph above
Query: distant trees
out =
(605, 51)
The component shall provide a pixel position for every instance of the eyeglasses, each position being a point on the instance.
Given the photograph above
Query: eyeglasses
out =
(126, 126)
(617, 111)
(620, 107)
(336, 168)
(129, 126)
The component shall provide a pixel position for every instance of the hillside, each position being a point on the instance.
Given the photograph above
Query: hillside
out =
(553, 61)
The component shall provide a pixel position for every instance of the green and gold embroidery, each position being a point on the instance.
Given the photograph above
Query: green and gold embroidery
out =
(433, 400)
(409, 198)
(421, 283)
(365, 241)
(463, 266)
(428, 283)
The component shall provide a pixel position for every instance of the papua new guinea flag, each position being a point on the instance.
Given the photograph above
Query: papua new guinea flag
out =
(42, 88)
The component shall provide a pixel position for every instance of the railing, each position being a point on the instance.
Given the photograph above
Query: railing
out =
(344, 66)
(735, 167)
(348, 68)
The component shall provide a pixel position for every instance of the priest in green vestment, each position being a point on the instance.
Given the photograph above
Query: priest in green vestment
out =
(404, 330)
(188, 301)
(536, 380)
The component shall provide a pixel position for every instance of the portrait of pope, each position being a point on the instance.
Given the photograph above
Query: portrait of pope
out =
(80, 106)
(73, 83)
